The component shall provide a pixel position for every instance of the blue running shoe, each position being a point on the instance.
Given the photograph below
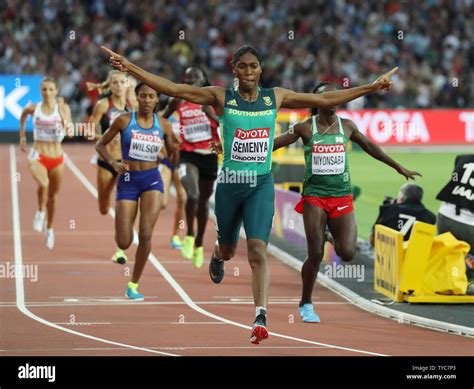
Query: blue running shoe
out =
(132, 292)
(176, 243)
(308, 315)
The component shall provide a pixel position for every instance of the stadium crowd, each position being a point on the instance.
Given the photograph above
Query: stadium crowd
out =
(302, 41)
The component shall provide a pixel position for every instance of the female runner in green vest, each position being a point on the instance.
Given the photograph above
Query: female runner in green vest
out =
(327, 190)
(245, 191)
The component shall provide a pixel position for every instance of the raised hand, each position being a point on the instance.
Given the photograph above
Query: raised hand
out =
(383, 82)
(23, 145)
(120, 168)
(116, 60)
(215, 147)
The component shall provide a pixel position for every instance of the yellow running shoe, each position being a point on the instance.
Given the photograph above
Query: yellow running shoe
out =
(198, 257)
(119, 257)
(188, 247)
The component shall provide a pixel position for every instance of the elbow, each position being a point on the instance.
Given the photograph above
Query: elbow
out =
(98, 146)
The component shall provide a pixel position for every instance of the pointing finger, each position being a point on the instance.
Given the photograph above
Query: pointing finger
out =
(390, 73)
(108, 51)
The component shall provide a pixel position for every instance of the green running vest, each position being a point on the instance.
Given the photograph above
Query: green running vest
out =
(327, 164)
(248, 131)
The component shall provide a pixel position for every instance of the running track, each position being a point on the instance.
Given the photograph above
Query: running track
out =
(77, 307)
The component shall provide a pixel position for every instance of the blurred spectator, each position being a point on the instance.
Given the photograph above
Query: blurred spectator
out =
(349, 42)
(456, 213)
(401, 213)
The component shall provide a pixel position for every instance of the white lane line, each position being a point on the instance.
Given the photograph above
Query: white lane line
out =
(109, 303)
(184, 296)
(182, 348)
(197, 322)
(20, 291)
(85, 323)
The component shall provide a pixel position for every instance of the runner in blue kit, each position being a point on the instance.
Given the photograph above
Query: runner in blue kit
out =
(140, 185)
(247, 114)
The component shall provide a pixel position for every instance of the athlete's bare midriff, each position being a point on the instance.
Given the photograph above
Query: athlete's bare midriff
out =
(48, 149)
(114, 148)
(137, 166)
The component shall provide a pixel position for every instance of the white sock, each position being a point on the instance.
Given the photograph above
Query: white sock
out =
(40, 213)
(260, 311)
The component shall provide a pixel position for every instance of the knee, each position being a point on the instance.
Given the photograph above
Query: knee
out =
(164, 204)
(103, 209)
(193, 197)
(144, 236)
(226, 253)
(123, 242)
(257, 257)
(315, 252)
(181, 200)
(52, 198)
(313, 260)
(345, 253)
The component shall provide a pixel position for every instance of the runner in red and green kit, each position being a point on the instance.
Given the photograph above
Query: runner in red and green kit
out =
(327, 191)
(247, 116)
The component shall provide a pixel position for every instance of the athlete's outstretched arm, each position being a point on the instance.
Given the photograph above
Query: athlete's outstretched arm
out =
(99, 110)
(66, 115)
(288, 137)
(117, 126)
(209, 95)
(171, 107)
(28, 110)
(376, 151)
(291, 99)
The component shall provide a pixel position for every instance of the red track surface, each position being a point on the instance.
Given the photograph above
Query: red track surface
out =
(79, 268)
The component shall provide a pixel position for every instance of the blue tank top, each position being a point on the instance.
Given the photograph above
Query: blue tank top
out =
(142, 144)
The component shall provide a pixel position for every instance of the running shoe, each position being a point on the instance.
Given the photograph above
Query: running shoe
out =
(307, 313)
(50, 238)
(176, 243)
(216, 269)
(259, 329)
(132, 292)
(119, 257)
(198, 257)
(187, 250)
(38, 221)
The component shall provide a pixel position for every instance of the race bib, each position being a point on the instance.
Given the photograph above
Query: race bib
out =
(49, 131)
(145, 147)
(197, 132)
(33, 155)
(251, 145)
(329, 159)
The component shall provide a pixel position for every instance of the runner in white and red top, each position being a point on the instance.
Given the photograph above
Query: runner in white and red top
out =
(197, 165)
(45, 160)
